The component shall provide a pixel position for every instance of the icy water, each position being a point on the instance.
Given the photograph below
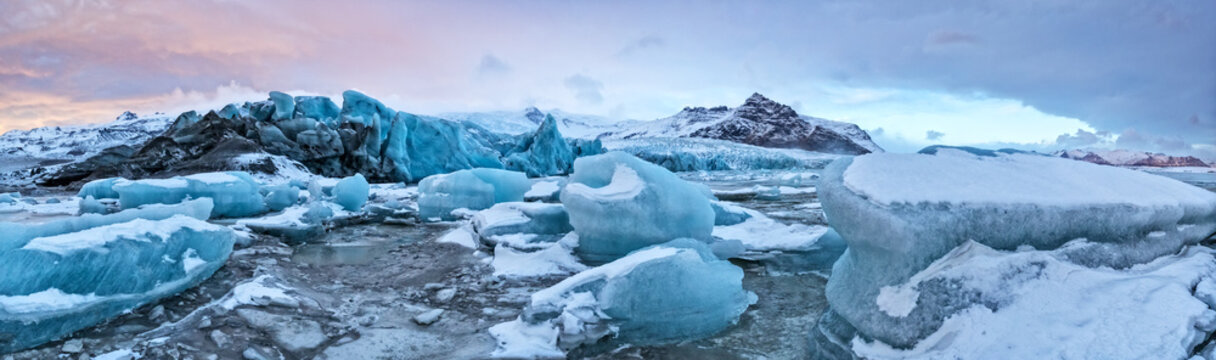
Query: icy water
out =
(1206, 180)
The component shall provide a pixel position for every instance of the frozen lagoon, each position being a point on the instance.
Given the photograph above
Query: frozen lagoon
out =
(355, 293)
(357, 289)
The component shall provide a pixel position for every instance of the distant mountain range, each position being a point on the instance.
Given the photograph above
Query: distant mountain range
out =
(1130, 158)
(758, 121)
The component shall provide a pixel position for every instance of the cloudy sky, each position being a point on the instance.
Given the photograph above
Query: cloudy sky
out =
(1030, 74)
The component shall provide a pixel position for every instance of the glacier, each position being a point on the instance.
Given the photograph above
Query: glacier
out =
(619, 203)
(664, 293)
(473, 189)
(235, 194)
(899, 213)
(694, 154)
(54, 285)
(362, 136)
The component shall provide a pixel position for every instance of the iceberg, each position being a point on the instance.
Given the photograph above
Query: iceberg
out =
(280, 197)
(17, 235)
(235, 194)
(473, 189)
(99, 189)
(52, 286)
(794, 248)
(509, 218)
(89, 205)
(554, 259)
(542, 154)
(619, 203)
(665, 293)
(351, 192)
(294, 225)
(899, 213)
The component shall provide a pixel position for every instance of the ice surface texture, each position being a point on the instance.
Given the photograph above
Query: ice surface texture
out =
(473, 189)
(235, 194)
(54, 285)
(665, 293)
(1037, 305)
(619, 203)
(901, 212)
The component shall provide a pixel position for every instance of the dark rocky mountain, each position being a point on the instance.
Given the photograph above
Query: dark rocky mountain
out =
(1131, 158)
(761, 122)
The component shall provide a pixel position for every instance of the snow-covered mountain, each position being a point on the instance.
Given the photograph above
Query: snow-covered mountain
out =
(761, 122)
(526, 120)
(81, 141)
(28, 153)
(1130, 158)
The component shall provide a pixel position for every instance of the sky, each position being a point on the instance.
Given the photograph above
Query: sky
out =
(1038, 75)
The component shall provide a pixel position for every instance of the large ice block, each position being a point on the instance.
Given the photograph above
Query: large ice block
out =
(543, 153)
(619, 203)
(15, 235)
(234, 193)
(52, 286)
(528, 218)
(901, 212)
(665, 293)
(352, 192)
(473, 189)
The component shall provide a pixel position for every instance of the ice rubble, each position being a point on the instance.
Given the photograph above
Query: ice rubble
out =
(473, 189)
(235, 193)
(698, 295)
(619, 203)
(901, 212)
(53, 285)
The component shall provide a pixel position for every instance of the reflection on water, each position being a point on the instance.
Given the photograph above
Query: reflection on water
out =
(360, 245)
